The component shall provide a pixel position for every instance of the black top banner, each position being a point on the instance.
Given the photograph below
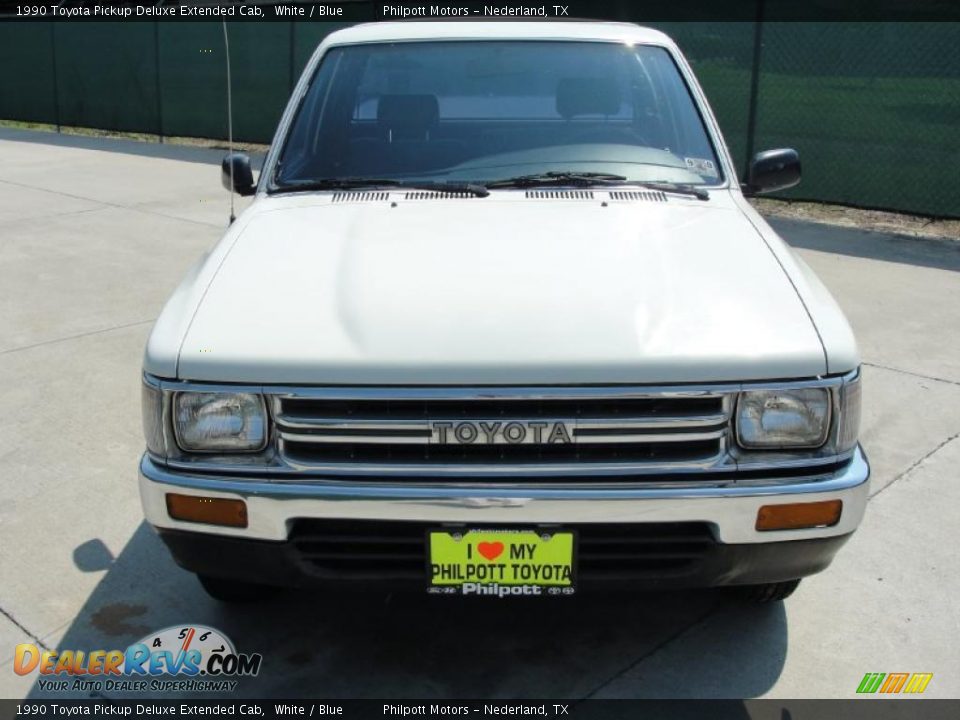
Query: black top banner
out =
(502, 10)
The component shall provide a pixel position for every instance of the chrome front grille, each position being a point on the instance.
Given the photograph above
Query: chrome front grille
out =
(511, 434)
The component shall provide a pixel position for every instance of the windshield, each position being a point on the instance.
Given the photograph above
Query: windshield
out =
(487, 111)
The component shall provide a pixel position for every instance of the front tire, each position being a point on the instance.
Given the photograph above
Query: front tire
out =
(234, 591)
(769, 592)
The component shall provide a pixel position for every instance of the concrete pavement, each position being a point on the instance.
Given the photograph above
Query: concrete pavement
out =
(95, 234)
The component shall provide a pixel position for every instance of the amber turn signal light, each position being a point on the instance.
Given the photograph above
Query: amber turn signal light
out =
(208, 510)
(799, 515)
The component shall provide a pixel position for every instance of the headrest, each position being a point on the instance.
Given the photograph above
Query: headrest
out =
(587, 96)
(408, 115)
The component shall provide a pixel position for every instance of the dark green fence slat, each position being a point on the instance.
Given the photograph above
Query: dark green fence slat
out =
(873, 108)
(26, 56)
(106, 76)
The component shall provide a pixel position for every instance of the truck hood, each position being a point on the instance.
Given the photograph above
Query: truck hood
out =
(497, 291)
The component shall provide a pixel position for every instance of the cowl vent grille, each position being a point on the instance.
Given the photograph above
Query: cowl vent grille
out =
(436, 195)
(339, 197)
(633, 195)
(559, 194)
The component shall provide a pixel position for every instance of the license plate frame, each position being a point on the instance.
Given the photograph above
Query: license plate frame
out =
(553, 573)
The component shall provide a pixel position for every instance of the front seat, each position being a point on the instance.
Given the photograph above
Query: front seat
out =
(405, 138)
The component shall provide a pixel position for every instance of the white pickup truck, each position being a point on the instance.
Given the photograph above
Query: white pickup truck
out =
(499, 321)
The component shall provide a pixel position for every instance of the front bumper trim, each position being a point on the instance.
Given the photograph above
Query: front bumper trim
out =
(731, 509)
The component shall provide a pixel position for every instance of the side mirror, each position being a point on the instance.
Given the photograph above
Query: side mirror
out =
(773, 170)
(236, 175)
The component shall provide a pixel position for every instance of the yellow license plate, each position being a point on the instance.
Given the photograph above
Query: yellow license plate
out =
(501, 562)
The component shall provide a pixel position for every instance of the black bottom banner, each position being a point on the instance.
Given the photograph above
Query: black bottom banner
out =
(854, 709)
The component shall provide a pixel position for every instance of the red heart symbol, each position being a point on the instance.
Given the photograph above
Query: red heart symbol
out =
(490, 550)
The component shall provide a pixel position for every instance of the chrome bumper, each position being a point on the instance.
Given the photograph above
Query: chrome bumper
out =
(731, 510)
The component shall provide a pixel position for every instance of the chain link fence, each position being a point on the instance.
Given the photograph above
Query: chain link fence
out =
(873, 108)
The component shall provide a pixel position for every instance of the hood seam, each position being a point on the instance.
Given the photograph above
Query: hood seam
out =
(803, 303)
(196, 309)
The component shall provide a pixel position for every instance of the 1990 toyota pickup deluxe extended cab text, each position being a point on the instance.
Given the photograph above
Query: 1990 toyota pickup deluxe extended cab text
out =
(499, 321)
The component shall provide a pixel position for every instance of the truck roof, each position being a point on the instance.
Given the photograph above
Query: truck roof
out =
(497, 30)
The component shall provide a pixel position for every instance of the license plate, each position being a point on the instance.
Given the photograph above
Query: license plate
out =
(501, 563)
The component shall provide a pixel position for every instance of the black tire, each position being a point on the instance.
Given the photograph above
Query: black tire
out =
(234, 591)
(769, 592)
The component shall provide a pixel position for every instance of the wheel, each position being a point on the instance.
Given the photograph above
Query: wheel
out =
(234, 591)
(769, 592)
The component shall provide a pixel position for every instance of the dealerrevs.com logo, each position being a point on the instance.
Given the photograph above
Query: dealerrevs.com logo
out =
(182, 658)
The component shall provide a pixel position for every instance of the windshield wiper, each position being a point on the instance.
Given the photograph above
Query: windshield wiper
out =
(679, 188)
(349, 183)
(579, 179)
(587, 179)
(451, 187)
(345, 183)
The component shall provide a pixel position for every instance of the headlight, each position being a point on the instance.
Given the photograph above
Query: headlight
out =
(220, 421)
(778, 419)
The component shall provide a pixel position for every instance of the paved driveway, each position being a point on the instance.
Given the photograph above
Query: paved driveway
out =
(94, 234)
